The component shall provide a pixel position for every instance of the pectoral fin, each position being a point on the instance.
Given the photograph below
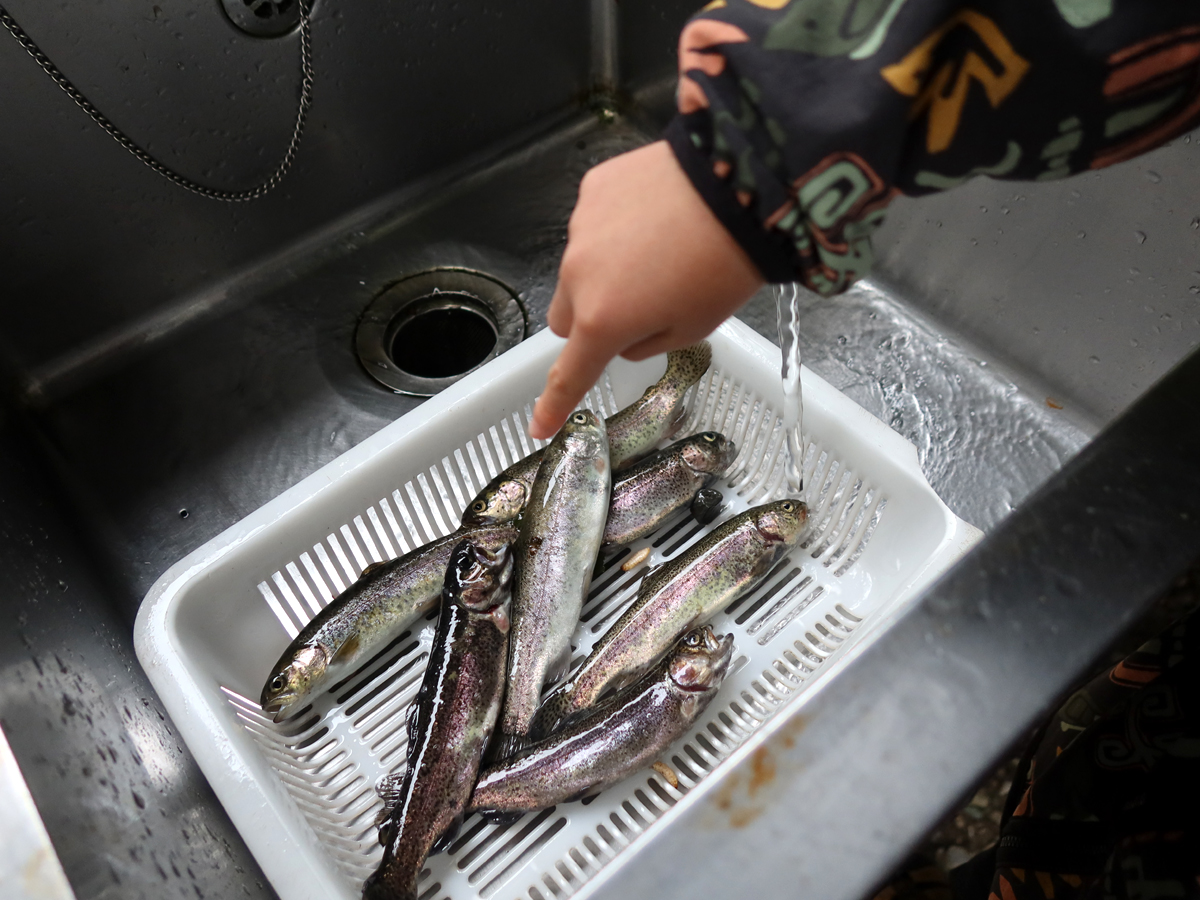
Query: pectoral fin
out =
(346, 652)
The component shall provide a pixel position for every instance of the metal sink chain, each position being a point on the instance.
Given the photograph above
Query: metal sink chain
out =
(162, 169)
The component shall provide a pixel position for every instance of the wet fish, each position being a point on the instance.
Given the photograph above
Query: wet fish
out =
(657, 414)
(622, 735)
(560, 537)
(645, 494)
(450, 721)
(678, 595)
(632, 432)
(386, 599)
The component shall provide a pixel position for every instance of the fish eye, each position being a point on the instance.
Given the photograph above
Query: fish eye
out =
(787, 506)
(709, 436)
(579, 418)
(278, 683)
(693, 639)
(479, 506)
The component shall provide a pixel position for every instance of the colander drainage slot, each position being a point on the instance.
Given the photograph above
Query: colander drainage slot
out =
(426, 332)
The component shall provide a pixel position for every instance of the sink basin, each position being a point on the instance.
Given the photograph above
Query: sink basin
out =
(201, 383)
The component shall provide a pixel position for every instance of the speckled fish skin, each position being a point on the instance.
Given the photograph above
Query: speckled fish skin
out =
(677, 596)
(645, 494)
(560, 537)
(386, 599)
(632, 432)
(624, 734)
(451, 720)
(636, 429)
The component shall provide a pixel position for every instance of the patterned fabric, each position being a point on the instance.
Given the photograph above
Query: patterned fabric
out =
(1109, 804)
(1106, 802)
(800, 120)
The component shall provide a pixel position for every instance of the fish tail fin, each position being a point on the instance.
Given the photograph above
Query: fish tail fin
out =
(505, 745)
(686, 365)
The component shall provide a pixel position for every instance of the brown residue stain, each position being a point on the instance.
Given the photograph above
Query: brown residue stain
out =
(600, 465)
(724, 796)
(789, 732)
(742, 817)
(762, 770)
(1052, 403)
(738, 801)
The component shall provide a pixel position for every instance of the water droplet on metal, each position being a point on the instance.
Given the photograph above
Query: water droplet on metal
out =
(1134, 270)
(1093, 359)
(1141, 236)
(1153, 177)
(1004, 209)
(1195, 289)
(1196, 223)
(1081, 235)
(983, 209)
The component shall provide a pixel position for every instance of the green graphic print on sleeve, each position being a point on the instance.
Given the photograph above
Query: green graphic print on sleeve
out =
(800, 120)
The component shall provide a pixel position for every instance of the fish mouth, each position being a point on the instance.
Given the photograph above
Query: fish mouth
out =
(278, 709)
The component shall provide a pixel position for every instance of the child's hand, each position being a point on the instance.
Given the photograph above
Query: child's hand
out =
(648, 268)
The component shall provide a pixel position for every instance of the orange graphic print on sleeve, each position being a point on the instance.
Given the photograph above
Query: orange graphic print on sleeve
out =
(999, 75)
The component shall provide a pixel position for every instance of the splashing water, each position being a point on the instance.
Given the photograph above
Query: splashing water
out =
(787, 309)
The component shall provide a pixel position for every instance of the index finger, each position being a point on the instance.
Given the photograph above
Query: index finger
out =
(577, 368)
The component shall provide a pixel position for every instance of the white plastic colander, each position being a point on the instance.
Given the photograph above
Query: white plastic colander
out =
(303, 795)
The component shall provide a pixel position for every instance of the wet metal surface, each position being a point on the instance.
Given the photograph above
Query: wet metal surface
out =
(984, 443)
(128, 813)
(1091, 284)
(229, 412)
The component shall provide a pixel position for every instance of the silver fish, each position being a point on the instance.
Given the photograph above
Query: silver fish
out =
(632, 432)
(657, 414)
(386, 599)
(560, 537)
(678, 595)
(622, 735)
(450, 721)
(645, 494)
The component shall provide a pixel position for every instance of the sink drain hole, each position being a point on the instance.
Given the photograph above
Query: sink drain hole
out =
(450, 337)
(428, 330)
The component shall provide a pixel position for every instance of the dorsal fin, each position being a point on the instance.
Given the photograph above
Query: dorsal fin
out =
(373, 567)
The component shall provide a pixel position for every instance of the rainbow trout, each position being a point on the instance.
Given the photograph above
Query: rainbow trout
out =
(623, 734)
(676, 596)
(386, 599)
(560, 537)
(632, 432)
(645, 494)
(450, 721)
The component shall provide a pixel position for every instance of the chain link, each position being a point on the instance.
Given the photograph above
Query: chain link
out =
(165, 171)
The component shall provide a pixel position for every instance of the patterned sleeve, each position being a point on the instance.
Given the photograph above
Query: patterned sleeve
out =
(800, 120)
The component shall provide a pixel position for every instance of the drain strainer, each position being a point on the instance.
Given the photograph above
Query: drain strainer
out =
(264, 18)
(426, 332)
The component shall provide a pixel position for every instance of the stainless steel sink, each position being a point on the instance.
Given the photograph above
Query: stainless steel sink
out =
(176, 363)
